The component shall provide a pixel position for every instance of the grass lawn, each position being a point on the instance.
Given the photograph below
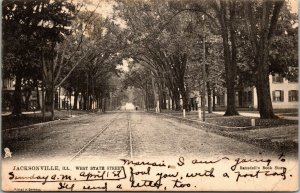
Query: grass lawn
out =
(273, 134)
(234, 121)
(241, 121)
(10, 121)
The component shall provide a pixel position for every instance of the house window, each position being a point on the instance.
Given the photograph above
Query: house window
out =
(278, 96)
(250, 96)
(293, 95)
(277, 78)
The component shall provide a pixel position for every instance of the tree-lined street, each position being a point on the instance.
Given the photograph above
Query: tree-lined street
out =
(149, 95)
(194, 63)
(173, 55)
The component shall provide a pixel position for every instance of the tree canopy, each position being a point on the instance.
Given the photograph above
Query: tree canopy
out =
(177, 50)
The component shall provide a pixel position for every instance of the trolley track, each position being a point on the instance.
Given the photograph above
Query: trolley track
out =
(130, 136)
(92, 141)
(106, 126)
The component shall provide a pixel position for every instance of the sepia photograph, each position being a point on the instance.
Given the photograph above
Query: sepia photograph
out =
(149, 95)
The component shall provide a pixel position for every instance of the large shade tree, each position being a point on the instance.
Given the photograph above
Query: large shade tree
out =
(91, 55)
(261, 19)
(31, 28)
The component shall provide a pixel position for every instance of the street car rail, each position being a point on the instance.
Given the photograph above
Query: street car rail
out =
(130, 137)
(94, 137)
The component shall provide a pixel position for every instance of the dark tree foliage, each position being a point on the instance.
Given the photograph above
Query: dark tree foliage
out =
(29, 29)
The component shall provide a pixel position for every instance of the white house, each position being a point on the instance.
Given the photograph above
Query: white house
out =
(284, 94)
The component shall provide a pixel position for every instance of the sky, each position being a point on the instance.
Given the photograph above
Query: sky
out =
(294, 5)
(107, 5)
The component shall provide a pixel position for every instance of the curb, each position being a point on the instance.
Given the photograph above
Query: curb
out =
(211, 124)
(33, 126)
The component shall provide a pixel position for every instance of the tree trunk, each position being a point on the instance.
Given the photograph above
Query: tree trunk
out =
(58, 98)
(84, 102)
(214, 100)
(156, 98)
(37, 95)
(48, 99)
(90, 103)
(104, 105)
(231, 109)
(99, 102)
(164, 97)
(87, 92)
(229, 52)
(160, 95)
(263, 86)
(76, 94)
(17, 108)
(209, 97)
(52, 102)
(230, 84)
(184, 99)
(146, 96)
(176, 99)
(53, 96)
(27, 94)
(43, 100)
(260, 34)
(70, 97)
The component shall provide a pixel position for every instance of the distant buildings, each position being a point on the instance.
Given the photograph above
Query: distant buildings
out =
(7, 93)
(63, 98)
(284, 94)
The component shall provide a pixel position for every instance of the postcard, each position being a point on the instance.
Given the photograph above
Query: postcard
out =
(149, 95)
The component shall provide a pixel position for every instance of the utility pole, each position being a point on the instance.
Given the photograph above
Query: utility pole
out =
(203, 73)
(53, 91)
(58, 98)
(146, 100)
(87, 92)
(156, 98)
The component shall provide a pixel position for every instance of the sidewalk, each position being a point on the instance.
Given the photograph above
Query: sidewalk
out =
(256, 114)
(278, 134)
(246, 114)
(35, 112)
(24, 113)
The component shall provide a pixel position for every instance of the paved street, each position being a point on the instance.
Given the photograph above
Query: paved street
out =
(122, 135)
